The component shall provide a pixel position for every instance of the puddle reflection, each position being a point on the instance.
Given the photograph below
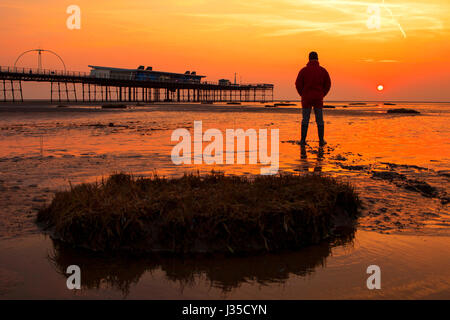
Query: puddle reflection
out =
(305, 164)
(222, 272)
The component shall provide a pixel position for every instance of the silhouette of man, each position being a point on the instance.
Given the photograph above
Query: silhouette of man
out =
(313, 83)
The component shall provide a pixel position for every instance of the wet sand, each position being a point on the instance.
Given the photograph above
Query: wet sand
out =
(400, 165)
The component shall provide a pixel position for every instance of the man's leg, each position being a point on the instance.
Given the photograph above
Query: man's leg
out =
(306, 113)
(320, 125)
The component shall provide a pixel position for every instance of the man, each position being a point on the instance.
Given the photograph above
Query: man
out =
(313, 83)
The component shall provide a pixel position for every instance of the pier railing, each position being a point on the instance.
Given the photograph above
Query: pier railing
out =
(43, 71)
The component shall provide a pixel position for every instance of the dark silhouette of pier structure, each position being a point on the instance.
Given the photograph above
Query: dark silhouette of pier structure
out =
(70, 86)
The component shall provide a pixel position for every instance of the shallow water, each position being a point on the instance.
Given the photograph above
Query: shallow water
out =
(400, 165)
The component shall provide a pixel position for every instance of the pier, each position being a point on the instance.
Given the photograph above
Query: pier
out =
(72, 86)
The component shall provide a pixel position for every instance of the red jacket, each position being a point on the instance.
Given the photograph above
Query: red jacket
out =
(313, 83)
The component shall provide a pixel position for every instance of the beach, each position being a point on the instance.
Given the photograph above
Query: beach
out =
(398, 163)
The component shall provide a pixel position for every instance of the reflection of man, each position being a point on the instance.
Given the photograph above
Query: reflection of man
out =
(313, 83)
(304, 164)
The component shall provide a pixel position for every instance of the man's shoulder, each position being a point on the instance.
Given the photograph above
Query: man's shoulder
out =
(323, 69)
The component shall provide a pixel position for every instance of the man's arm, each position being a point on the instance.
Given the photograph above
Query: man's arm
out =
(326, 83)
(299, 83)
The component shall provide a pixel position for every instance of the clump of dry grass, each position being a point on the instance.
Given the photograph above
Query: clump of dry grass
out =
(210, 213)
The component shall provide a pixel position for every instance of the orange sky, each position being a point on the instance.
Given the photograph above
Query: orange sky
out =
(262, 40)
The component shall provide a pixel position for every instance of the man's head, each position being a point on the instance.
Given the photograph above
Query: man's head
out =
(313, 56)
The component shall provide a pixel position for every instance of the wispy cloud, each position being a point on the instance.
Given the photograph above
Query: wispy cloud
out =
(379, 61)
(336, 17)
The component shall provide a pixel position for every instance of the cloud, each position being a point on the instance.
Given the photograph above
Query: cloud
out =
(334, 17)
(380, 61)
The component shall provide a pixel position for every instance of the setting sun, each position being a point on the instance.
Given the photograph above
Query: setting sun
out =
(380, 87)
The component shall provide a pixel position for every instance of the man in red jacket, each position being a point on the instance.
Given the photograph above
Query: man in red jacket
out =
(313, 83)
